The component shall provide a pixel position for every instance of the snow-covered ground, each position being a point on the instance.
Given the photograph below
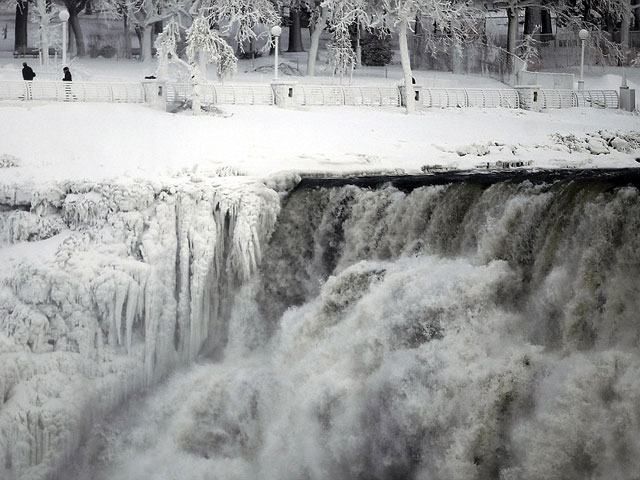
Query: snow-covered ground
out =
(71, 141)
(74, 141)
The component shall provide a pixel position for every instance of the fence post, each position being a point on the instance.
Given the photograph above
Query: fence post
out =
(627, 99)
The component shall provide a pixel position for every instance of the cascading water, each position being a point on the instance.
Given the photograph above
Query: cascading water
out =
(458, 331)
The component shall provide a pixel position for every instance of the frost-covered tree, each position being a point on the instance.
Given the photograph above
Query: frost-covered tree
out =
(167, 45)
(342, 14)
(574, 15)
(455, 19)
(144, 14)
(243, 21)
(337, 15)
(43, 12)
(204, 46)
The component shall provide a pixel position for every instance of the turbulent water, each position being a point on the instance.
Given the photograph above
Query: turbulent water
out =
(460, 331)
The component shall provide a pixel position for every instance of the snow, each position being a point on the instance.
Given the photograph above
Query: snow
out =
(259, 140)
(98, 141)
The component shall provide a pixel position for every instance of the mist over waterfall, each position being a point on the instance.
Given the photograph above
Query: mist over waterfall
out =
(458, 331)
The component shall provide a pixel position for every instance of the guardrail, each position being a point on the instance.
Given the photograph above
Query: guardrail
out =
(349, 95)
(469, 97)
(597, 98)
(306, 95)
(222, 94)
(555, 99)
(73, 91)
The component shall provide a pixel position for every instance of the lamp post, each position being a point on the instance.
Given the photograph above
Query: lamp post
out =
(275, 32)
(64, 18)
(583, 35)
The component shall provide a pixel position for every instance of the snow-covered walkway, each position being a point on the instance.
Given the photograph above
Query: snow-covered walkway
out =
(98, 141)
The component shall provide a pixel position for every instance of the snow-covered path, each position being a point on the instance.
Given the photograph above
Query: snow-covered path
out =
(76, 141)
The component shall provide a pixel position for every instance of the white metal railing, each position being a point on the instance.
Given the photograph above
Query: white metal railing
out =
(555, 99)
(469, 97)
(302, 94)
(249, 94)
(73, 91)
(388, 96)
(597, 98)
(346, 95)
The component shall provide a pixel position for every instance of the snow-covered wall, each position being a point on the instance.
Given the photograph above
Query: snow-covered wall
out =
(139, 283)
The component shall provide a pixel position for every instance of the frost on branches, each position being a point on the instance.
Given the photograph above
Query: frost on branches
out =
(205, 46)
(136, 283)
(342, 16)
(246, 22)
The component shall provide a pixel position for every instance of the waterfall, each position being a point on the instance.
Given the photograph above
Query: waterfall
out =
(467, 330)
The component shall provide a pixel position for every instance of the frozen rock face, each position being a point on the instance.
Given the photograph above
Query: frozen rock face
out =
(453, 332)
(139, 281)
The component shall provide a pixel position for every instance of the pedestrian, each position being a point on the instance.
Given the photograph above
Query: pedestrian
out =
(67, 88)
(27, 72)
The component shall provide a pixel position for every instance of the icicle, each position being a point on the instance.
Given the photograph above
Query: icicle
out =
(131, 309)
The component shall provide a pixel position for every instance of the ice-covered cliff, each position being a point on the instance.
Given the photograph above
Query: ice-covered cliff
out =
(138, 282)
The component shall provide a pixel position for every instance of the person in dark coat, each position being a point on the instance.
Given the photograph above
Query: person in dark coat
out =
(27, 72)
(67, 88)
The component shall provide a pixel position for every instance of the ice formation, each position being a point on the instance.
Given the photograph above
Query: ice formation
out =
(138, 285)
(461, 331)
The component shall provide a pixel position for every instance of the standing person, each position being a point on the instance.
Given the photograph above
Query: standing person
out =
(27, 72)
(67, 88)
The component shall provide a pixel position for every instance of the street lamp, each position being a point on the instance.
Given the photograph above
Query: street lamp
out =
(64, 18)
(583, 35)
(275, 32)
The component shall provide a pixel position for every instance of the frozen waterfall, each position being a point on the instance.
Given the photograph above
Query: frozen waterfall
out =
(140, 283)
(467, 330)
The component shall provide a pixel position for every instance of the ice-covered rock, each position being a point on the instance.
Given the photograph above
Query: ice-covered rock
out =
(473, 149)
(621, 145)
(597, 146)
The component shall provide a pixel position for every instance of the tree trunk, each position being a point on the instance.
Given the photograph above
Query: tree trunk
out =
(417, 44)
(295, 32)
(547, 26)
(456, 50)
(409, 99)
(74, 23)
(22, 20)
(512, 29)
(145, 48)
(625, 25)
(636, 13)
(203, 66)
(315, 42)
(127, 37)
